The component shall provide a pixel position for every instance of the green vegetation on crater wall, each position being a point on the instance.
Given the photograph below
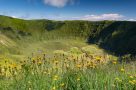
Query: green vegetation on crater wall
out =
(118, 37)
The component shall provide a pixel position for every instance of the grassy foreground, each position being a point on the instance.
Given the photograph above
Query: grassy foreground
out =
(86, 68)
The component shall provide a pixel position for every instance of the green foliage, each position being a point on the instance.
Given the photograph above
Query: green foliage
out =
(118, 37)
(21, 37)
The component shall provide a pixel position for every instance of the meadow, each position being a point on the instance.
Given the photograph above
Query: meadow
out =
(74, 65)
(69, 55)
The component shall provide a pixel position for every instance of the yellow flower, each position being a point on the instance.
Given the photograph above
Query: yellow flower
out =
(79, 66)
(44, 72)
(98, 58)
(39, 62)
(114, 62)
(122, 70)
(62, 84)
(29, 82)
(131, 77)
(54, 88)
(14, 66)
(117, 79)
(56, 62)
(33, 58)
(131, 82)
(55, 78)
(78, 79)
(134, 81)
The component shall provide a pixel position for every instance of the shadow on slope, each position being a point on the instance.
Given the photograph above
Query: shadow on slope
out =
(118, 38)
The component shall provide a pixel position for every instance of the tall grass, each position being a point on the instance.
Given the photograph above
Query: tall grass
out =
(72, 70)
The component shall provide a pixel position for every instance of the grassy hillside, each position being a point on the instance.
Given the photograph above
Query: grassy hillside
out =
(118, 37)
(56, 55)
(37, 27)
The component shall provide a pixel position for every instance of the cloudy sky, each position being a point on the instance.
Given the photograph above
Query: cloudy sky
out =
(92, 10)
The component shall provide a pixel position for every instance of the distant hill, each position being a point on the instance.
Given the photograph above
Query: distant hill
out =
(119, 37)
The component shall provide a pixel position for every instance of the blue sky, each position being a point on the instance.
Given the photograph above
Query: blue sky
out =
(92, 10)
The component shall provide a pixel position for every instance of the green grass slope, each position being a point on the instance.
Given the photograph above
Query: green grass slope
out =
(119, 37)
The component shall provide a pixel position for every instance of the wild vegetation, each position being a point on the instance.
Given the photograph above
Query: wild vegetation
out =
(117, 37)
(76, 69)
(67, 55)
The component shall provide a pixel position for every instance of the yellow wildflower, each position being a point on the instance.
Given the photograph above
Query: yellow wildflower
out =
(122, 70)
(44, 72)
(56, 62)
(55, 78)
(114, 62)
(98, 58)
(54, 88)
(78, 79)
(79, 66)
(134, 81)
(117, 79)
(14, 66)
(131, 82)
(62, 84)
(33, 58)
(29, 82)
(39, 62)
(131, 77)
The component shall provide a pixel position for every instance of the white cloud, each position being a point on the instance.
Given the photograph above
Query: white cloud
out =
(132, 20)
(101, 17)
(58, 3)
(14, 16)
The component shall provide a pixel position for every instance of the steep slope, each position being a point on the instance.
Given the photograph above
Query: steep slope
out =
(21, 27)
(119, 37)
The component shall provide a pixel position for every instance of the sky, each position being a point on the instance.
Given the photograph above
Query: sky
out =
(92, 10)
